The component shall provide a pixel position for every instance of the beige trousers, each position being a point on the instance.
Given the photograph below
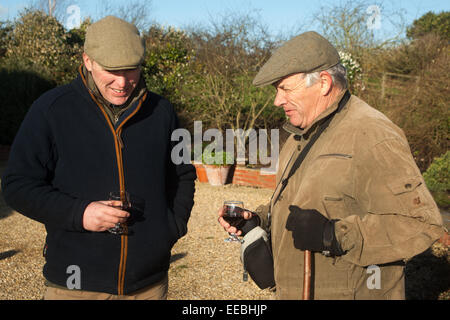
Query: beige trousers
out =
(157, 291)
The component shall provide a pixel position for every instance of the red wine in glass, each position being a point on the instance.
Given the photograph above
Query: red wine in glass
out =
(234, 215)
(125, 198)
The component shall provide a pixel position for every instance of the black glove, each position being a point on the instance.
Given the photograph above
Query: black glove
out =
(249, 224)
(312, 231)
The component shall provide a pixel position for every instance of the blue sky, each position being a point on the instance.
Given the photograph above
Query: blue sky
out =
(280, 16)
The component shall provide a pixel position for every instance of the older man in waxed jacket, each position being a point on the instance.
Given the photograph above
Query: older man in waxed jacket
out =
(358, 201)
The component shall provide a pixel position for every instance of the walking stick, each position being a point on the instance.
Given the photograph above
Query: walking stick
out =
(307, 275)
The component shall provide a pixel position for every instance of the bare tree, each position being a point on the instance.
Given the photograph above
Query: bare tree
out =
(51, 7)
(351, 25)
(136, 12)
(54, 8)
(228, 53)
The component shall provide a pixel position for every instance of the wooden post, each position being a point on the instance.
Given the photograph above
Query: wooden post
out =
(383, 85)
(307, 275)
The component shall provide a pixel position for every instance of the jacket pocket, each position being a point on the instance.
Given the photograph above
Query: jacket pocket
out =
(406, 196)
(336, 155)
(409, 197)
(332, 278)
(404, 185)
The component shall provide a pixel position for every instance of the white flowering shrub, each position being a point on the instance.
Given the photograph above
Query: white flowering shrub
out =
(353, 68)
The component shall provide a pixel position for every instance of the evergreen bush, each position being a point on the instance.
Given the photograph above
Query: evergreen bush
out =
(437, 178)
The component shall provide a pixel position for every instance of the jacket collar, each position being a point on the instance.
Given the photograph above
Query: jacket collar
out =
(304, 133)
(85, 81)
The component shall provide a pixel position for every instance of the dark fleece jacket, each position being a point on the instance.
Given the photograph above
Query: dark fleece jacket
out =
(67, 154)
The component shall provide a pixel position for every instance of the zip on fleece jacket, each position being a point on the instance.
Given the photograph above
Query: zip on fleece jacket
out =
(118, 146)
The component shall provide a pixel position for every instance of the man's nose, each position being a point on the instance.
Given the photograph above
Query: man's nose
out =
(280, 99)
(121, 80)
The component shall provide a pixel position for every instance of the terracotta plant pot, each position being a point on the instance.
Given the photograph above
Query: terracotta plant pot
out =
(201, 173)
(217, 175)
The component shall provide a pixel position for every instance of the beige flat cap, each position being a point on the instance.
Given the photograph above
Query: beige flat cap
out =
(305, 53)
(114, 44)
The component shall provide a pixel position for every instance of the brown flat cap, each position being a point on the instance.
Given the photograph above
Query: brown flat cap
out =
(305, 53)
(114, 44)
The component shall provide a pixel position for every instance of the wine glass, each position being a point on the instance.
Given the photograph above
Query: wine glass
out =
(234, 215)
(124, 197)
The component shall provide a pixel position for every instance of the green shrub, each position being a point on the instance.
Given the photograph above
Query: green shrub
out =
(430, 23)
(437, 178)
(217, 158)
(166, 61)
(39, 42)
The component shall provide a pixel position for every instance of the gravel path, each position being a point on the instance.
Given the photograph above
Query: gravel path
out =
(203, 265)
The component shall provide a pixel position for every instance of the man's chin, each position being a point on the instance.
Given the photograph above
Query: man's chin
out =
(294, 122)
(118, 100)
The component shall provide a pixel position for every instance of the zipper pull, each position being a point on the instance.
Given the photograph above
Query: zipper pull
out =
(245, 275)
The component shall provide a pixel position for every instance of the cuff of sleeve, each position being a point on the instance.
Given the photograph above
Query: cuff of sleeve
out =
(178, 224)
(77, 222)
(329, 239)
(345, 234)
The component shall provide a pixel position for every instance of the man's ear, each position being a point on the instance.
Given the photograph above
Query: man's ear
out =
(88, 62)
(326, 83)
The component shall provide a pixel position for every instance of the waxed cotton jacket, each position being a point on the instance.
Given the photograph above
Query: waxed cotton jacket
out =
(361, 172)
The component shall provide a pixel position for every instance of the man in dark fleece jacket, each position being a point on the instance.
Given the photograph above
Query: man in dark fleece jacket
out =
(103, 132)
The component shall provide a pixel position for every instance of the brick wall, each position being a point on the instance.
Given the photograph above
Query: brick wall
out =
(240, 175)
(251, 177)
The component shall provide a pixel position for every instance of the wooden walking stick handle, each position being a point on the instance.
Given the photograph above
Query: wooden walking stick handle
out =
(307, 275)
